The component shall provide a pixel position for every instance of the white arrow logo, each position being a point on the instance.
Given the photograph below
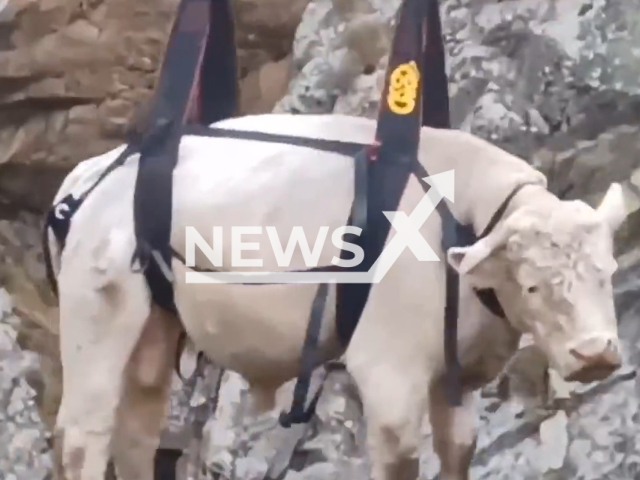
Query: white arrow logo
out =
(407, 235)
(408, 227)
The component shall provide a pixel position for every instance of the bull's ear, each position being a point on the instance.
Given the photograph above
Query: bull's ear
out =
(477, 264)
(478, 261)
(467, 259)
(612, 208)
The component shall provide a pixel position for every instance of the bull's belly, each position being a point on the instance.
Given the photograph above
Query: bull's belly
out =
(255, 330)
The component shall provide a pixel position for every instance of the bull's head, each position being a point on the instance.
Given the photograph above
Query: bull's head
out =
(551, 268)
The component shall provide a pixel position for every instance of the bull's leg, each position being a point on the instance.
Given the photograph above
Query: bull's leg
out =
(454, 433)
(394, 401)
(147, 385)
(101, 319)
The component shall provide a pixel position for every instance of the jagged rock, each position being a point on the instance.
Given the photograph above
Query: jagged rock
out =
(23, 437)
(22, 273)
(236, 440)
(265, 31)
(72, 74)
(262, 88)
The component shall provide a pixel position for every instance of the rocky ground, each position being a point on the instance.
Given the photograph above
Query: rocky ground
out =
(555, 82)
(23, 436)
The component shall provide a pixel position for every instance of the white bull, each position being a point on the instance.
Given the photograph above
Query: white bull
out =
(550, 262)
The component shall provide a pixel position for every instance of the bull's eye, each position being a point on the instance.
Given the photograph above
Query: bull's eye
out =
(532, 289)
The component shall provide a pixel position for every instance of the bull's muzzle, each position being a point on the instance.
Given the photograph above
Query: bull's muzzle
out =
(599, 357)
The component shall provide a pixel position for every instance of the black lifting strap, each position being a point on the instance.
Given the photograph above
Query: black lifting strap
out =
(390, 163)
(218, 87)
(436, 114)
(300, 412)
(201, 49)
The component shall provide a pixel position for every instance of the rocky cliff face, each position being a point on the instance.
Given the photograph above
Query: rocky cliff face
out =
(555, 82)
(72, 73)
